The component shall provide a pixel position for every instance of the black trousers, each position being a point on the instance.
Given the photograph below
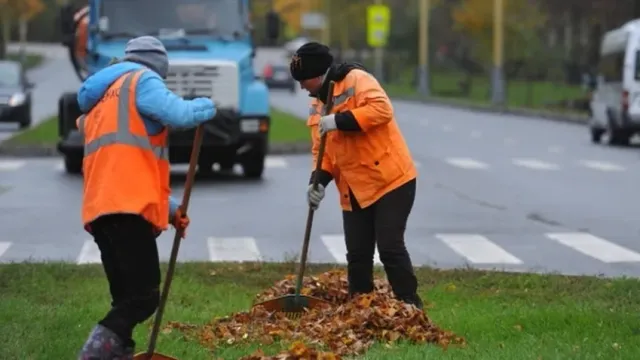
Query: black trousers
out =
(382, 223)
(130, 259)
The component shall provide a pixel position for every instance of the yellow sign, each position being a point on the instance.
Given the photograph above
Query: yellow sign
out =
(378, 19)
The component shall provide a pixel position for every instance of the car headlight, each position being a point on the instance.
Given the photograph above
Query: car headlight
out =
(17, 99)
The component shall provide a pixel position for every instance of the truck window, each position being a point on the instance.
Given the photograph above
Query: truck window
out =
(217, 17)
(611, 67)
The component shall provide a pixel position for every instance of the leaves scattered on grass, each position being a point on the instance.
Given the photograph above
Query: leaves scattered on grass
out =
(347, 327)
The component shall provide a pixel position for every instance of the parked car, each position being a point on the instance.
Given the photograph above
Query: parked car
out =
(278, 77)
(15, 94)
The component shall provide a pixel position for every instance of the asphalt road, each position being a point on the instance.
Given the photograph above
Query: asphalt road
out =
(498, 192)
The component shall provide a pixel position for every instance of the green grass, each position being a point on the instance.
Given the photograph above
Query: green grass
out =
(520, 94)
(285, 128)
(31, 60)
(47, 311)
(43, 134)
(288, 128)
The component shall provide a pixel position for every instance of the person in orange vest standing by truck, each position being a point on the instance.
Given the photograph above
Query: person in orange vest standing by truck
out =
(127, 110)
(367, 157)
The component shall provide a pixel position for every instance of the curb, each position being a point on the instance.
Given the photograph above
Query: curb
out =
(51, 150)
(540, 114)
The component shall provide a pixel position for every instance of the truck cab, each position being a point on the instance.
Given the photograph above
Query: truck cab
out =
(211, 51)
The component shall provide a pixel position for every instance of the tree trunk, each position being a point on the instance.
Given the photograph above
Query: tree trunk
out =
(5, 35)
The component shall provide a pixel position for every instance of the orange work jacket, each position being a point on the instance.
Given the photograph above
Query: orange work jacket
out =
(371, 162)
(125, 169)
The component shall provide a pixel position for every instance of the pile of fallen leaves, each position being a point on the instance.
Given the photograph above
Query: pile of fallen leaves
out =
(348, 327)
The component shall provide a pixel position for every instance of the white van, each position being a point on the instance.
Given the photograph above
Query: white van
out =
(615, 103)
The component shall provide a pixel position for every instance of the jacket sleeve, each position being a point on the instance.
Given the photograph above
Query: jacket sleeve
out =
(155, 101)
(326, 173)
(373, 106)
(173, 207)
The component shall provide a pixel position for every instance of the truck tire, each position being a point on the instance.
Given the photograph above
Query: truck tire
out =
(73, 163)
(253, 165)
(70, 112)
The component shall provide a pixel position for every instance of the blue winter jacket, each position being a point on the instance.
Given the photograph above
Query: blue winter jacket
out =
(158, 106)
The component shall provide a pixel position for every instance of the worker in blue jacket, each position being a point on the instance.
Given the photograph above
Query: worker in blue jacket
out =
(128, 243)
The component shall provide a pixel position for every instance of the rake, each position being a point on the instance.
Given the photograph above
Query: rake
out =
(294, 305)
(150, 354)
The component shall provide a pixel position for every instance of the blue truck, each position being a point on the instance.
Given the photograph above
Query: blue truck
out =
(211, 50)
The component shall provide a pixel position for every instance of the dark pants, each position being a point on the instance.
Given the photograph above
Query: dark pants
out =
(130, 259)
(382, 223)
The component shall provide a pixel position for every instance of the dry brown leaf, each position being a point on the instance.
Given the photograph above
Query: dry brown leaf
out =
(348, 327)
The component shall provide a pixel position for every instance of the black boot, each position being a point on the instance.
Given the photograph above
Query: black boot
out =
(104, 344)
(413, 300)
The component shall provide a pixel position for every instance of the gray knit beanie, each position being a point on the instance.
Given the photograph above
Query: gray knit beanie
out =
(148, 51)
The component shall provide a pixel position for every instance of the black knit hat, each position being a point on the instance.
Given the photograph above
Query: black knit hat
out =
(311, 60)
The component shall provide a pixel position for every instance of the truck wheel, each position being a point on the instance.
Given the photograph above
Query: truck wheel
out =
(596, 135)
(25, 122)
(73, 163)
(253, 165)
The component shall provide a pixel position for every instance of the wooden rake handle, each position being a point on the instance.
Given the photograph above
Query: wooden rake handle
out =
(186, 196)
(307, 231)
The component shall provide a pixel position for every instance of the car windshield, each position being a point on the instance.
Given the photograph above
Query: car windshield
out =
(9, 73)
(127, 18)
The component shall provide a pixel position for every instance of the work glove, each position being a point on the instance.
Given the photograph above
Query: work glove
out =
(327, 124)
(181, 222)
(315, 196)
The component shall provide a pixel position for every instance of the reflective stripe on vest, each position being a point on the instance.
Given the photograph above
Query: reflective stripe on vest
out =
(337, 100)
(123, 135)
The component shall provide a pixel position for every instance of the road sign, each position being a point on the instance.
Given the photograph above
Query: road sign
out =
(378, 19)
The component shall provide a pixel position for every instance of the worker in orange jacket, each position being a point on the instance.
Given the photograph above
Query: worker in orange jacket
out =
(367, 157)
(127, 110)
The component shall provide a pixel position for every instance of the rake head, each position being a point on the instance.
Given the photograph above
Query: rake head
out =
(155, 356)
(291, 305)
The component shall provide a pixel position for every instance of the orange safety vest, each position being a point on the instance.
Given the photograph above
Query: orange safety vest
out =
(125, 169)
(371, 162)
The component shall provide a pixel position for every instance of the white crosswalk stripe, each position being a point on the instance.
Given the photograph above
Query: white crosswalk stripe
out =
(275, 162)
(595, 247)
(466, 163)
(601, 165)
(478, 249)
(4, 246)
(336, 246)
(11, 165)
(535, 164)
(233, 249)
(89, 254)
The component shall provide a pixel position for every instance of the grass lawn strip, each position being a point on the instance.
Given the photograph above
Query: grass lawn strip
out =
(501, 315)
(43, 134)
(31, 60)
(285, 128)
(288, 128)
(520, 94)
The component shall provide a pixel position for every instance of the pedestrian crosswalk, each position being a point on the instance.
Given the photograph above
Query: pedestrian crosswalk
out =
(595, 247)
(478, 249)
(461, 162)
(535, 164)
(461, 249)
